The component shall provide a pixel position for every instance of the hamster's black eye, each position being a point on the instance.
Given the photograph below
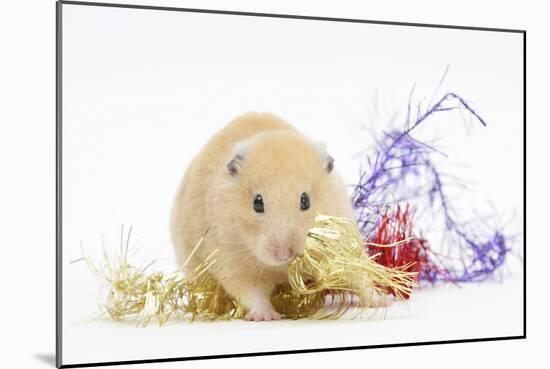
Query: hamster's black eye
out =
(304, 201)
(258, 204)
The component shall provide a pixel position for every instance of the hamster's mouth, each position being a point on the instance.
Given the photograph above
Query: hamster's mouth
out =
(278, 262)
(273, 262)
(275, 256)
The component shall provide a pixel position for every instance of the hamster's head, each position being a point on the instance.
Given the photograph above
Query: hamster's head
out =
(276, 184)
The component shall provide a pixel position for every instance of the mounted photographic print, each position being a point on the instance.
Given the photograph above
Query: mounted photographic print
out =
(235, 184)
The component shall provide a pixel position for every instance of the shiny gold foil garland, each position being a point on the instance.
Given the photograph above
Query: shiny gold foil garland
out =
(332, 275)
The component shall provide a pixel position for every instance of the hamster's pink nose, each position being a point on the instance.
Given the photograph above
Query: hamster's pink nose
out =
(284, 253)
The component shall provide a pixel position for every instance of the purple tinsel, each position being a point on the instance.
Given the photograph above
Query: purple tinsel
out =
(399, 158)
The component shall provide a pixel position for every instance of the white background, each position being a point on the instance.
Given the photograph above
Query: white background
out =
(143, 92)
(30, 187)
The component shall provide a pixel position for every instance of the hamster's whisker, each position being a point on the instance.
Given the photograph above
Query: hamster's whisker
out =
(236, 251)
(242, 268)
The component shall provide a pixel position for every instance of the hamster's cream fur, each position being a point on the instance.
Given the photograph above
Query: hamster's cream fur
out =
(257, 153)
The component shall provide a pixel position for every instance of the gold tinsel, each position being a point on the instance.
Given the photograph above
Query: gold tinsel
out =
(334, 267)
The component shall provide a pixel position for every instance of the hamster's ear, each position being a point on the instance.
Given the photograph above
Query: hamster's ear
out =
(321, 150)
(235, 164)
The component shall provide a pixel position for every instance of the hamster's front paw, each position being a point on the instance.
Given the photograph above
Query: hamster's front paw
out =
(262, 316)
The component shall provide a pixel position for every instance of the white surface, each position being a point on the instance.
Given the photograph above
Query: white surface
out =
(444, 313)
(144, 91)
(27, 196)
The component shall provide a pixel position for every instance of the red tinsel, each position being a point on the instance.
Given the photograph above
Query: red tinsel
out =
(396, 227)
